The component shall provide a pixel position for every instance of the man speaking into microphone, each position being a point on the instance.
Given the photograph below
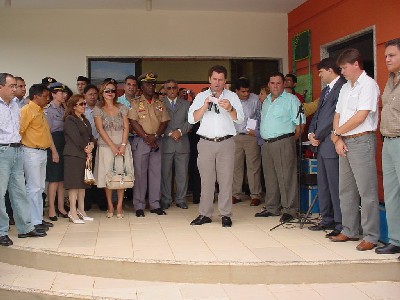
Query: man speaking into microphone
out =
(217, 109)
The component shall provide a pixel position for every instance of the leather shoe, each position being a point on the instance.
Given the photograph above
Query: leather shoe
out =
(334, 232)
(140, 213)
(342, 238)
(5, 241)
(388, 249)
(48, 224)
(265, 213)
(319, 227)
(40, 227)
(182, 205)
(285, 218)
(255, 202)
(364, 246)
(235, 200)
(226, 221)
(33, 233)
(159, 211)
(200, 220)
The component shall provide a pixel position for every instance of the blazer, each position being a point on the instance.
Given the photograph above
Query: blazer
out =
(179, 120)
(77, 134)
(322, 121)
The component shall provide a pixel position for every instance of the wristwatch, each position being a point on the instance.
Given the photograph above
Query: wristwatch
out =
(335, 133)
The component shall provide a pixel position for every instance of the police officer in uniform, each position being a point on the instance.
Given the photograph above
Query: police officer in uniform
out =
(149, 119)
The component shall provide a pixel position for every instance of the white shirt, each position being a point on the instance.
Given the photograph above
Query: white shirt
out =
(213, 125)
(362, 96)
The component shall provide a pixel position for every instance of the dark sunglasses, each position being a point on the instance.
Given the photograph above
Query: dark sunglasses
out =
(81, 104)
(161, 93)
(172, 87)
(110, 91)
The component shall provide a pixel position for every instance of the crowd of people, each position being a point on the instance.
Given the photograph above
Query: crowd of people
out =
(172, 139)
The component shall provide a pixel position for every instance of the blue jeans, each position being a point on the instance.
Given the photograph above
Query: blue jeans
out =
(12, 178)
(35, 174)
(391, 185)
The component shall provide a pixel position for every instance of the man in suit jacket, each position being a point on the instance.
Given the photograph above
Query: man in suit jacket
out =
(328, 160)
(176, 147)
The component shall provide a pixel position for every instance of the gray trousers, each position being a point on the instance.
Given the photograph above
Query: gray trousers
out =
(180, 161)
(215, 163)
(147, 166)
(358, 179)
(246, 148)
(280, 172)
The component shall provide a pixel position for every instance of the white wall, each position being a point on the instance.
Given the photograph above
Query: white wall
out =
(39, 43)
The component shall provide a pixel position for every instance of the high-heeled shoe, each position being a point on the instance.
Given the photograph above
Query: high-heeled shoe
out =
(109, 214)
(120, 215)
(53, 218)
(75, 221)
(59, 213)
(83, 217)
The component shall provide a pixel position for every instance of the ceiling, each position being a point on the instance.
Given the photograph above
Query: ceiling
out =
(271, 6)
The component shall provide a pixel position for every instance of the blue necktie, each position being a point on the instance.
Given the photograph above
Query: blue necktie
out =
(173, 105)
(328, 89)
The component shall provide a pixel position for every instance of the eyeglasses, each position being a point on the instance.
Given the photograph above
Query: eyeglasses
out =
(161, 93)
(110, 91)
(172, 87)
(81, 104)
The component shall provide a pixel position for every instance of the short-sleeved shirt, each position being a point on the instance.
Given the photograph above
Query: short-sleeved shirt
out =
(213, 124)
(148, 115)
(9, 122)
(390, 118)
(363, 95)
(34, 129)
(111, 123)
(89, 114)
(122, 100)
(54, 116)
(280, 116)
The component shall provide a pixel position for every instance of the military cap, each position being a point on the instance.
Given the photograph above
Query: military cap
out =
(148, 77)
(57, 86)
(48, 80)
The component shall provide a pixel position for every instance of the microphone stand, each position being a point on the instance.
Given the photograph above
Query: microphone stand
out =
(299, 219)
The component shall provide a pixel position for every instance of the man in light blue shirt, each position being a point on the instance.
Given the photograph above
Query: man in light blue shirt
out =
(217, 109)
(280, 127)
(130, 89)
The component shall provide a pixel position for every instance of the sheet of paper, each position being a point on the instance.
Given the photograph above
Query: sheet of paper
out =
(213, 99)
(251, 124)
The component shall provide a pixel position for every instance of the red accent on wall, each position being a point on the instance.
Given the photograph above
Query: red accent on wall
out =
(332, 20)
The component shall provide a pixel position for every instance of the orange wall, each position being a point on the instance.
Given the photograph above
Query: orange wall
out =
(335, 19)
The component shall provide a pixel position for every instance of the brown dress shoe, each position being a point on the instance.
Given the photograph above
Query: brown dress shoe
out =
(235, 200)
(342, 238)
(255, 202)
(364, 246)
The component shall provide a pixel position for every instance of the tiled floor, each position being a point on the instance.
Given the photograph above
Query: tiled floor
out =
(78, 286)
(171, 238)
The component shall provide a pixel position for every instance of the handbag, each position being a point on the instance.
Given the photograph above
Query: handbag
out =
(116, 181)
(89, 178)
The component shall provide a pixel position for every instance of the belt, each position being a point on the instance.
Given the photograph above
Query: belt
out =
(283, 136)
(352, 136)
(242, 133)
(13, 145)
(390, 137)
(217, 139)
(36, 148)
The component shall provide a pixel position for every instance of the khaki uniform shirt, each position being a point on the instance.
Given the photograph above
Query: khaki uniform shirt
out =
(148, 115)
(390, 117)
(34, 129)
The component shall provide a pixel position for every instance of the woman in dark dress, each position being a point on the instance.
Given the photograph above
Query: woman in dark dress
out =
(79, 143)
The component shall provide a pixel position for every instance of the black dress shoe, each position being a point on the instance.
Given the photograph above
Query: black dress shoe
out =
(285, 218)
(320, 227)
(41, 227)
(334, 232)
(140, 213)
(5, 241)
(388, 249)
(53, 218)
(159, 211)
(182, 205)
(226, 221)
(48, 224)
(264, 214)
(200, 220)
(33, 233)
